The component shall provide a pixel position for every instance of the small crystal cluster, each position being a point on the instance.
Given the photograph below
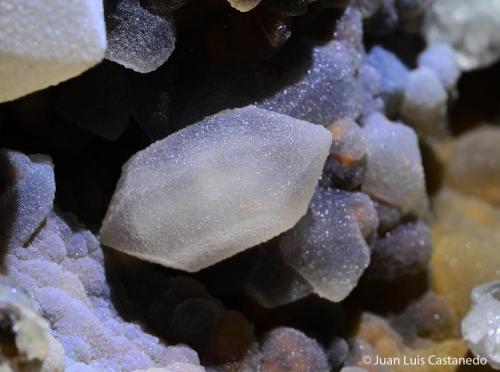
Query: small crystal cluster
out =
(481, 326)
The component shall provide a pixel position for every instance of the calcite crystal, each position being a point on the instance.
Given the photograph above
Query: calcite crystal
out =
(44, 43)
(215, 188)
(470, 27)
(394, 171)
(481, 326)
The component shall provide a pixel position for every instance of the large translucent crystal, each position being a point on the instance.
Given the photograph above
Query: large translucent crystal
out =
(215, 188)
(481, 326)
(394, 172)
(45, 42)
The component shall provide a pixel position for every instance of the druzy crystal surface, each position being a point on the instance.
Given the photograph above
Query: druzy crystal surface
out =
(44, 43)
(249, 185)
(215, 188)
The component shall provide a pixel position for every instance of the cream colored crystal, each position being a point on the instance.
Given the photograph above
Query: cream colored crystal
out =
(45, 42)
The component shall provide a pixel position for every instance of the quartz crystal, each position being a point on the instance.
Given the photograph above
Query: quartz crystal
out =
(481, 326)
(216, 188)
(45, 42)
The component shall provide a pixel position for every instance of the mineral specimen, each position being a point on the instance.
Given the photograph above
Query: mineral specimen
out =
(481, 326)
(470, 27)
(429, 316)
(42, 44)
(63, 269)
(327, 247)
(25, 341)
(215, 188)
(244, 5)
(28, 189)
(394, 172)
(474, 164)
(388, 344)
(424, 102)
(329, 90)
(276, 151)
(393, 76)
(345, 165)
(441, 59)
(404, 250)
(286, 349)
(466, 240)
(273, 283)
(321, 86)
(137, 38)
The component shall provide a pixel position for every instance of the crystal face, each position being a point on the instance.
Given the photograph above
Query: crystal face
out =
(249, 185)
(215, 188)
(42, 44)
